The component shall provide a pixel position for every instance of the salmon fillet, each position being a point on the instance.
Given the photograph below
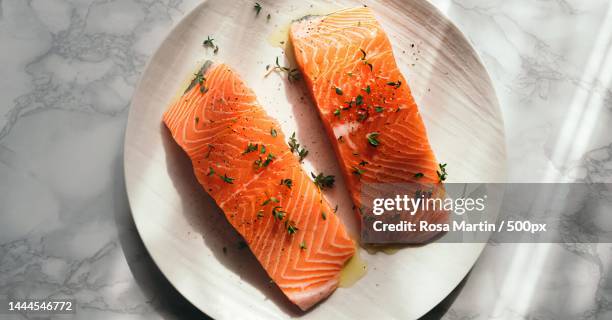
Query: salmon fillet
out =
(240, 158)
(366, 105)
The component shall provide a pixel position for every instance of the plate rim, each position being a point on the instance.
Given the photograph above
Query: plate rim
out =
(496, 106)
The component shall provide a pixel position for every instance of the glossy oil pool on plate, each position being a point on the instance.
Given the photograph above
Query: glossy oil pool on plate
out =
(188, 236)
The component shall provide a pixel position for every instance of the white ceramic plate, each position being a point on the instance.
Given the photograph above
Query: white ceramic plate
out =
(185, 232)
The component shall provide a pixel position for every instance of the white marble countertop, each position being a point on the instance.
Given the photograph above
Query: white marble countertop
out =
(68, 70)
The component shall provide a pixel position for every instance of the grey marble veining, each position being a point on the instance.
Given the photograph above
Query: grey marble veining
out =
(68, 69)
(68, 72)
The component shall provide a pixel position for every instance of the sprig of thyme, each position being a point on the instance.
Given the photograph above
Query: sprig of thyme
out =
(293, 74)
(257, 8)
(442, 174)
(209, 42)
(200, 79)
(294, 146)
(323, 181)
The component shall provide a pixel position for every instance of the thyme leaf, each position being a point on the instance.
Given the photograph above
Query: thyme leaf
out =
(373, 139)
(323, 181)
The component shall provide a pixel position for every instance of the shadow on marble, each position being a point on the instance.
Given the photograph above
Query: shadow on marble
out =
(160, 294)
(206, 217)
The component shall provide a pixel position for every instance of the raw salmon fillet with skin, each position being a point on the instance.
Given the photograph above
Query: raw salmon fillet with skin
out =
(214, 122)
(348, 65)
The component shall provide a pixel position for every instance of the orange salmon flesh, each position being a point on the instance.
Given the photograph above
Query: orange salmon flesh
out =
(365, 103)
(241, 159)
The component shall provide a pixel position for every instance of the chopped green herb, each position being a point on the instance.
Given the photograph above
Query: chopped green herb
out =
(395, 84)
(292, 74)
(262, 150)
(337, 112)
(340, 138)
(359, 100)
(290, 225)
(367, 89)
(373, 139)
(268, 160)
(419, 175)
(268, 16)
(209, 43)
(323, 215)
(363, 163)
(273, 132)
(357, 171)
(303, 245)
(271, 199)
(287, 182)
(260, 214)
(338, 91)
(257, 8)
(322, 181)
(227, 179)
(302, 153)
(350, 74)
(277, 213)
(260, 163)
(199, 79)
(250, 148)
(211, 171)
(379, 109)
(293, 145)
(442, 174)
